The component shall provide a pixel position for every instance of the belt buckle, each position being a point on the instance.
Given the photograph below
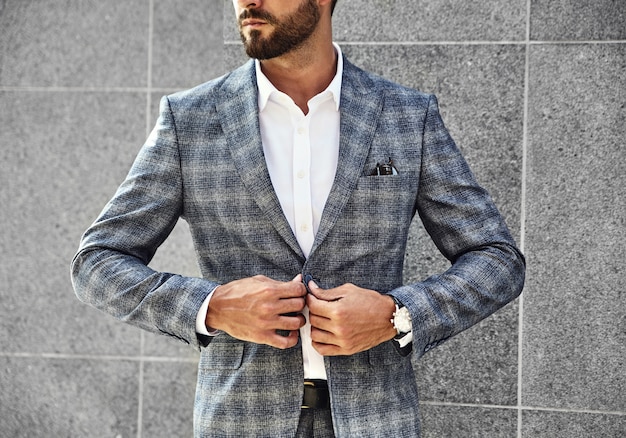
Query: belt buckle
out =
(312, 393)
(311, 385)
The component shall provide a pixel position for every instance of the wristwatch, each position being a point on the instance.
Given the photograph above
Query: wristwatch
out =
(401, 319)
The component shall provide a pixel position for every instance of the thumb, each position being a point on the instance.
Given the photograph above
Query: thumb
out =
(323, 294)
(297, 279)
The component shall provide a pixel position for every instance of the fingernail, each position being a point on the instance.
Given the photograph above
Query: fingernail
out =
(308, 280)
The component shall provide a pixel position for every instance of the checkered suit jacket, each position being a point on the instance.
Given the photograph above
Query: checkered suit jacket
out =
(204, 162)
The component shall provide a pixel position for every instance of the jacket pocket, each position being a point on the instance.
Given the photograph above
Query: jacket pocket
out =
(402, 181)
(387, 197)
(221, 355)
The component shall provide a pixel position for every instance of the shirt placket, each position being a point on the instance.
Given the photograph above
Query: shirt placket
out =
(303, 213)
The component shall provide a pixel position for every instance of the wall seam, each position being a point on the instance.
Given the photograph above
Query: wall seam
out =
(142, 338)
(463, 43)
(100, 358)
(520, 320)
(525, 408)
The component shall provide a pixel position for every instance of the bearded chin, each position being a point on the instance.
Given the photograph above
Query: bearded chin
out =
(288, 35)
(261, 48)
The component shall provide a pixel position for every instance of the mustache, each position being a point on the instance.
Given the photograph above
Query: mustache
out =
(257, 14)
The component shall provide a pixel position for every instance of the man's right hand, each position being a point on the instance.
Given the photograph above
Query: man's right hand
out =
(253, 309)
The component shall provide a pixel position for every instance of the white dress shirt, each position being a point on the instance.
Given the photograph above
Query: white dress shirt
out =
(301, 152)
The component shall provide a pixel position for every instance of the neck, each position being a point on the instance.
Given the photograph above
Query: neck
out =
(305, 72)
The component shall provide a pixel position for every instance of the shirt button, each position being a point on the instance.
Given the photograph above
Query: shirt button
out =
(301, 130)
(301, 174)
(304, 228)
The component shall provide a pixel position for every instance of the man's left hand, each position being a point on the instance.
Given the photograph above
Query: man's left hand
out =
(348, 319)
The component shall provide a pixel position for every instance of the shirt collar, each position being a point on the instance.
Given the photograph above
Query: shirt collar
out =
(266, 88)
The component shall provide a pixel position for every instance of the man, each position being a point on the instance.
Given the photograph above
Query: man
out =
(299, 175)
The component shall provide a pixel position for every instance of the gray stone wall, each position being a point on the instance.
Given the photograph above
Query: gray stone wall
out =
(534, 92)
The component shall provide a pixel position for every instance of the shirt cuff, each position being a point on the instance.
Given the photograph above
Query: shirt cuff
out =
(405, 339)
(201, 327)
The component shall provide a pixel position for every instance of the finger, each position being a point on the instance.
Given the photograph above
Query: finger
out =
(271, 284)
(320, 323)
(319, 307)
(282, 324)
(294, 288)
(323, 336)
(282, 339)
(327, 349)
(290, 305)
(284, 290)
(291, 322)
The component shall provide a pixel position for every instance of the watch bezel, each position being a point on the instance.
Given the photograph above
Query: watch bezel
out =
(402, 320)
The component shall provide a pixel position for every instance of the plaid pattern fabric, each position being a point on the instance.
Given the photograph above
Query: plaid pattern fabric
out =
(204, 162)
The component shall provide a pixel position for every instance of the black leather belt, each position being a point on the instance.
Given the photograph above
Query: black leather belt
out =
(316, 395)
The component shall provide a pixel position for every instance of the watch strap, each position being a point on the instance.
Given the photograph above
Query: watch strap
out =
(401, 318)
(403, 341)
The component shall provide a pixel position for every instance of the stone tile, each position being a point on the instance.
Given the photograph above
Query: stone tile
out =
(68, 398)
(234, 56)
(467, 422)
(74, 43)
(187, 42)
(231, 31)
(575, 307)
(478, 366)
(68, 152)
(545, 424)
(577, 20)
(168, 398)
(409, 21)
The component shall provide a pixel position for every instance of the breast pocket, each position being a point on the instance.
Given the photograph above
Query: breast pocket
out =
(389, 199)
(372, 230)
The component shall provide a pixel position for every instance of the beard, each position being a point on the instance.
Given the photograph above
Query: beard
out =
(289, 33)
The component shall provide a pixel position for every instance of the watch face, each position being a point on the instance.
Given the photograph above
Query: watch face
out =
(402, 320)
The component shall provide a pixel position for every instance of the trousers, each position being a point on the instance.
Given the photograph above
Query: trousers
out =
(315, 423)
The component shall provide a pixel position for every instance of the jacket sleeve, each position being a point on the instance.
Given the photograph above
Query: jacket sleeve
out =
(110, 270)
(487, 270)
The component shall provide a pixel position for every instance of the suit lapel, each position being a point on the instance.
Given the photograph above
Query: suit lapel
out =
(238, 110)
(360, 108)
(239, 115)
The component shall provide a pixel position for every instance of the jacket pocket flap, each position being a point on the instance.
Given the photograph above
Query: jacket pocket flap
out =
(222, 355)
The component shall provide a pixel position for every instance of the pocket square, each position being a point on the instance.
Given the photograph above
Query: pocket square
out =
(387, 168)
